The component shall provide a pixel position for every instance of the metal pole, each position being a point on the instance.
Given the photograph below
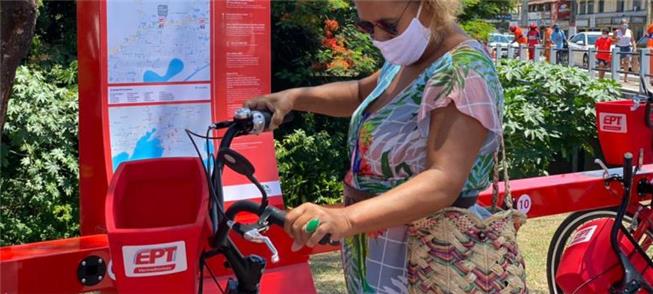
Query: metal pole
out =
(614, 68)
(524, 13)
(591, 60)
(538, 53)
(570, 61)
(523, 52)
(572, 19)
(644, 67)
(552, 55)
(511, 52)
(497, 54)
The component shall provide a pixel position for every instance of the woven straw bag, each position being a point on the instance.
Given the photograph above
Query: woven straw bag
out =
(454, 251)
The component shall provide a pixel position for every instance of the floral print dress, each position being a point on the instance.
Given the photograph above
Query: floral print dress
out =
(388, 147)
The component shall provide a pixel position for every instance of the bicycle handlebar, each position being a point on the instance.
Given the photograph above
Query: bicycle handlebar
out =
(247, 269)
(269, 213)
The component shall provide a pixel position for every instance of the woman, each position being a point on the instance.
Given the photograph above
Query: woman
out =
(423, 132)
(626, 42)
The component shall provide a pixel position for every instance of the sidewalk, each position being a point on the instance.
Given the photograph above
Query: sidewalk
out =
(629, 89)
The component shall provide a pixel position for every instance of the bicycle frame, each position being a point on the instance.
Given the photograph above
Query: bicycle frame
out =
(248, 269)
(584, 265)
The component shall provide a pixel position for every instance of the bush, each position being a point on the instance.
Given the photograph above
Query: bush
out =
(315, 42)
(312, 167)
(549, 113)
(478, 29)
(39, 157)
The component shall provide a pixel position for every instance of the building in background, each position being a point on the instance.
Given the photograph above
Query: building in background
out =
(594, 15)
(548, 12)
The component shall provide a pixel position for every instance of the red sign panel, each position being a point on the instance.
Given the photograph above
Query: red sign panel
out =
(150, 70)
(563, 10)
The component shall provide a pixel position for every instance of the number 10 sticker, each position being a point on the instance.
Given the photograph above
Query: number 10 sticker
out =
(524, 203)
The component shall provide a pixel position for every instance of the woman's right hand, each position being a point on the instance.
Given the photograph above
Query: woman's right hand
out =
(279, 103)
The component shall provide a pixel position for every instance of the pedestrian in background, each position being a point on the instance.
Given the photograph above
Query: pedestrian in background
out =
(533, 40)
(548, 43)
(627, 47)
(520, 38)
(603, 57)
(558, 38)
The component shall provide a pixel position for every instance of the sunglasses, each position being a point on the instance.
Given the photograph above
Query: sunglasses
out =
(368, 27)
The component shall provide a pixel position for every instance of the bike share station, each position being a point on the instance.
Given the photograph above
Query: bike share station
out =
(157, 219)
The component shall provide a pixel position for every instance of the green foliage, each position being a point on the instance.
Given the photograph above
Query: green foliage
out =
(484, 9)
(311, 167)
(314, 42)
(312, 158)
(55, 35)
(549, 112)
(39, 183)
(478, 29)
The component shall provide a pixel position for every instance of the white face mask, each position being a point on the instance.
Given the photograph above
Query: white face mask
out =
(408, 47)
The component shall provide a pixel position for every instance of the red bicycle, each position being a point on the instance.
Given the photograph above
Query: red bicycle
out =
(608, 250)
(167, 248)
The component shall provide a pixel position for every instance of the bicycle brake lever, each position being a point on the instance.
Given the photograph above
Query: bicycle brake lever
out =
(255, 236)
(636, 104)
(606, 172)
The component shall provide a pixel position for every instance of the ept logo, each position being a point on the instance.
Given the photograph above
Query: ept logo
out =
(613, 122)
(154, 259)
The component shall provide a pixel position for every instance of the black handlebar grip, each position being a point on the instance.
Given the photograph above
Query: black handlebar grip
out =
(326, 240)
(628, 170)
(278, 217)
(242, 206)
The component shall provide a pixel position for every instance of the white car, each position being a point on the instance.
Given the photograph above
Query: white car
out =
(503, 40)
(580, 44)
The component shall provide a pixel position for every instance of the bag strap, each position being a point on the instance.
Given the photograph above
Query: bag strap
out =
(503, 164)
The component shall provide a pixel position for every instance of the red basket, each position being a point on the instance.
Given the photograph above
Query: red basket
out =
(156, 217)
(622, 129)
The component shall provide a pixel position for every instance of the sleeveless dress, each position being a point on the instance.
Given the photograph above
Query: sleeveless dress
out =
(388, 147)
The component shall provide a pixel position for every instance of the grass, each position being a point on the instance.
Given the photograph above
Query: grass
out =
(533, 238)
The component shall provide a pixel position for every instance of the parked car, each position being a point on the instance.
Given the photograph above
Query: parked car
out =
(580, 43)
(502, 40)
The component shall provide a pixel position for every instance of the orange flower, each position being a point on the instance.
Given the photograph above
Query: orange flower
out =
(331, 25)
(339, 63)
(329, 42)
(339, 48)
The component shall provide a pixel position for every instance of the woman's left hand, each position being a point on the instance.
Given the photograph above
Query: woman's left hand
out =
(332, 221)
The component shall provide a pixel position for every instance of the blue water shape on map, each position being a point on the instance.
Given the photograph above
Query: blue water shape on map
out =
(175, 67)
(208, 163)
(147, 146)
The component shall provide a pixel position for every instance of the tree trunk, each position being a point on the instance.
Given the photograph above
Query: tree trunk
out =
(17, 21)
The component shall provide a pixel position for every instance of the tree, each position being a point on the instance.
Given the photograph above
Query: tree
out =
(17, 21)
(484, 9)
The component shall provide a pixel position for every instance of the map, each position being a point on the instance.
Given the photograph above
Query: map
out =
(153, 41)
(154, 131)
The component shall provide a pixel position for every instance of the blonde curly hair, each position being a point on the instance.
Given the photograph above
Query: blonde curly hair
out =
(445, 14)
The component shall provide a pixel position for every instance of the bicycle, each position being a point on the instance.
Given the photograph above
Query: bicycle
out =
(214, 228)
(247, 269)
(579, 259)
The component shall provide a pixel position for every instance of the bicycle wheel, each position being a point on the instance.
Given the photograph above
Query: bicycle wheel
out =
(561, 239)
